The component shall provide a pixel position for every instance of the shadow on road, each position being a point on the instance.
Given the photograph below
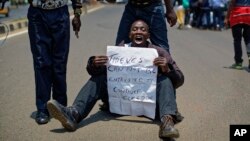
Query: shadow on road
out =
(244, 68)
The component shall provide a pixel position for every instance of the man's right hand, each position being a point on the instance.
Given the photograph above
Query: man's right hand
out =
(100, 61)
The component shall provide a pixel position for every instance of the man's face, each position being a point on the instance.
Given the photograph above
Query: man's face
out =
(139, 33)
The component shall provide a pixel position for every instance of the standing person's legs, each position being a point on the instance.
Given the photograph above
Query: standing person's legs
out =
(60, 23)
(215, 18)
(40, 42)
(220, 18)
(154, 16)
(246, 36)
(128, 17)
(237, 36)
(187, 18)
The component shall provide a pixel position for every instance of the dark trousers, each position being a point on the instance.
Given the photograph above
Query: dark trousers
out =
(239, 31)
(218, 17)
(49, 33)
(96, 88)
(153, 15)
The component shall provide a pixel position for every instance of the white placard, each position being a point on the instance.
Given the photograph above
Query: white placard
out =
(131, 78)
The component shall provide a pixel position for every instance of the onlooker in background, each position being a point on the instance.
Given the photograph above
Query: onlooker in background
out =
(238, 16)
(186, 6)
(152, 12)
(205, 21)
(195, 9)
(218, 7)
(200, 11)
(49, 34)
(180, 13)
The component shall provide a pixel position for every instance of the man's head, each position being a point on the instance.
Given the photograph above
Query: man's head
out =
(139, 33)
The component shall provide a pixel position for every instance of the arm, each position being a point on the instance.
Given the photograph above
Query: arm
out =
(76, 22)
(170, 14)
(175, 75)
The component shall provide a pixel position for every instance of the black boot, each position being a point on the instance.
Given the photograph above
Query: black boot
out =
(42, 117)
(68, 116)
(167, 129)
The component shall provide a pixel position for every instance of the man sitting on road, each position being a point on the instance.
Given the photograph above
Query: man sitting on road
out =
(169, 78)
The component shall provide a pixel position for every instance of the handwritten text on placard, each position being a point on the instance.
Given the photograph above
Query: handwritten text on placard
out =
(131, 78)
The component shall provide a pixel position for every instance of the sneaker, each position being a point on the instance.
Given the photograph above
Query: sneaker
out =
(188, 26)
(237, 66)
(66, 115)
(167, 129)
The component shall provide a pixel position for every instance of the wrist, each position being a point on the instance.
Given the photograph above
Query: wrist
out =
(77, 12)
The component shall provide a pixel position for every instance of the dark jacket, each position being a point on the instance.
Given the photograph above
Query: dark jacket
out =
(175, 74)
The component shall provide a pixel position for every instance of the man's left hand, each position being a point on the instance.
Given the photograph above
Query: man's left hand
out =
(162, 63)
(76, 23)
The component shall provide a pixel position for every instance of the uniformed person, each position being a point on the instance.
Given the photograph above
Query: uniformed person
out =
(49, 34)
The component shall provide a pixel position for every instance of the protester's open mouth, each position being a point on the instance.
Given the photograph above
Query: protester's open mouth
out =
(139, 39)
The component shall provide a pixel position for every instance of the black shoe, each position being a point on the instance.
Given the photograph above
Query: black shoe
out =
(167, 129)
(42, 117)
(178, 117)
(66, 115)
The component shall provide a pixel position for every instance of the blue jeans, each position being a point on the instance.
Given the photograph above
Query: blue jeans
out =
(239, 31)
(96, 89)
(49, 34)
(153, 15)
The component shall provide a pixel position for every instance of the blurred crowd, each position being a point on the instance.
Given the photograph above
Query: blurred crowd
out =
(202, 14)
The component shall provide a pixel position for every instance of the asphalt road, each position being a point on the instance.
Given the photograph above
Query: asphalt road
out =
(212, 97)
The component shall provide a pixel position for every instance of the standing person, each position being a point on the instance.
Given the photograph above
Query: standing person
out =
(169, 78)
(186, 6)
(180, 13)
(49, 34)
(238, 16)
(218, 7)
(152, 12)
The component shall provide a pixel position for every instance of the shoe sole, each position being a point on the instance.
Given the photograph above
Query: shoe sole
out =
(237, 67)
(169, 135)
(56, 113)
